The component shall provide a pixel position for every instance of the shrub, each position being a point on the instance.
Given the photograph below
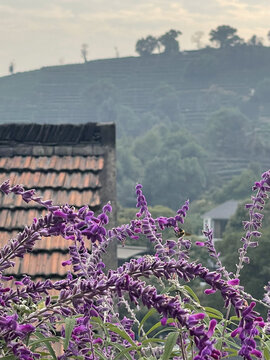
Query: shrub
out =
(85, 317)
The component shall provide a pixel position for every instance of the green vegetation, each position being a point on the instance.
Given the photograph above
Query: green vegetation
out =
(257, 272)
(203, 115)
(225, 36)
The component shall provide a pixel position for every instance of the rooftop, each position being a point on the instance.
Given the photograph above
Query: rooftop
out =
(72, 164)
(222, 211)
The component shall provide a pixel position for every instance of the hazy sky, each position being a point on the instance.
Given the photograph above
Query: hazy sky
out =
(36, 33)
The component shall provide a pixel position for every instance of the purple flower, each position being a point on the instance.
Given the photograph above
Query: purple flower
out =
(98, 341)
(195, 318)
(5, 187)
(211, 328)
(25, 328)
(233, 282)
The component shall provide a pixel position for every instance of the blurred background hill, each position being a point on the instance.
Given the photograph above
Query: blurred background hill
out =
(187, 122)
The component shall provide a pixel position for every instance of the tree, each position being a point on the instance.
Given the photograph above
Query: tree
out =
(166, 102)
(225, 36)
(268, 35)
(11, 67)
(262, 91)
(84, 52)
(256, 274)
(168, 40)
(226, 132)
(145, 47)
(255, 41)
(238, 187)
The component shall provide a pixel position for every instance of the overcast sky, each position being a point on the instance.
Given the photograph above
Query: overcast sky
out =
(36, 33)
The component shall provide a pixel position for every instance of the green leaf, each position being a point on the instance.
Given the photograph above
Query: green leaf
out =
(266, 354)
(167, 329)
(154, 340)
(157, 325)
(233, 352)
(120, 332)
(147, 315)
(234, 318)
(191, 293)
(8, 357)
(219, 343)
(169, 345)
(220, 328)
(169, 289)
(190, 307)
(97, 320)
(46, 341)
(99, 353)
(43, 340)
(69, 326)
(213, 313)
(267, 344)
(233, 344)
(125, 352)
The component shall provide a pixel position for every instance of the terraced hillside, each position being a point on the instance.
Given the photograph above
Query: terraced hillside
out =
(190, 86)
(59, 93)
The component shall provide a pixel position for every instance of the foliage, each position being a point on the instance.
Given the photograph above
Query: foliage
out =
(145, 47)
(169, 42)
(262, 90)
(255, 41)
(257, 273)
(238, 187)
(85, 311)
(205, 66)
(225, 36)
(228, 127)
(84, 52)
(150, 153)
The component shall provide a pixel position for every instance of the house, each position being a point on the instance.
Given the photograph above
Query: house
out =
(67, 163)
(128, 252)
(218, 217)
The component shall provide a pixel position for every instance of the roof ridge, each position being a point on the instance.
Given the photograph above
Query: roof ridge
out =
(56, 134)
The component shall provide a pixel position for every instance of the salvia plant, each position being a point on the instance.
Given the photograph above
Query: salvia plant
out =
(84, 318)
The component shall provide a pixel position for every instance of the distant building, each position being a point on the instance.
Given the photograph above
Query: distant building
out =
(128, 252)
(67, 163)
(218, 217)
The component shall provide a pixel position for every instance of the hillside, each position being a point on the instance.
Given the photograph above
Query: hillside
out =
(139, 93)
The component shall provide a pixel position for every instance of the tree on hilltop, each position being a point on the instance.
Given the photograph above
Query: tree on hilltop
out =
(84, 52)
(255, 41)
(168, 40)
(147, 46)
(225, 36)
(11, 68)
(268, 35)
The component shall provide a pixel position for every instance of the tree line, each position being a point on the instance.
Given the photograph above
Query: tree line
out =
(221, 37)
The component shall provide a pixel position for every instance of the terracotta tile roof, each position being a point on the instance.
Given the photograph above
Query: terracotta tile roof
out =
(72, 164)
